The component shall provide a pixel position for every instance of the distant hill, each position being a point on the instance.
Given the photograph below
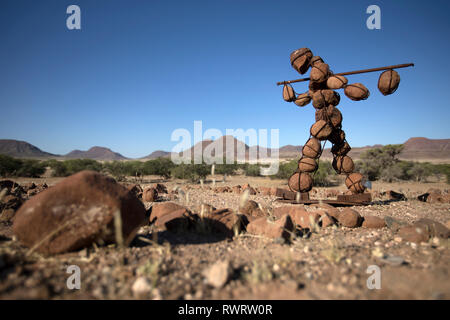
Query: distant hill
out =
(423, 148)
(22, 149)
(95, 153)
(419, 148)
(157, 154)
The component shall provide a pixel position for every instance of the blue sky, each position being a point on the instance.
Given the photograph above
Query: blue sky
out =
(137, 70)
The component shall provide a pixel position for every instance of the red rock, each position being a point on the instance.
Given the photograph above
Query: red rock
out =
(180, 220)
(350, 218)
(160, 188)
(325, 219)
(134, 189)
(434, 228)
(281, 228)
(226, 222)
(299, 216)
(438, 198)
(76, 212)
(329, 209)
(265, 191)
(373, 222)
(392, 195)
(249, 207)
(223, 189)
(414, 234)
(150, 195)
(160, 209)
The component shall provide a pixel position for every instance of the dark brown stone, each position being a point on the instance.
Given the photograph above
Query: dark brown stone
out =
(373, 222)
(77, 212)
(150, 195)
(160, 209)
(350, 218)
(281, 228)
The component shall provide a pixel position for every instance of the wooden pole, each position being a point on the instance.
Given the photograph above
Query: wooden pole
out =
(397, 66)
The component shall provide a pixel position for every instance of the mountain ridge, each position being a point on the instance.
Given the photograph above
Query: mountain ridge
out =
(415, 148)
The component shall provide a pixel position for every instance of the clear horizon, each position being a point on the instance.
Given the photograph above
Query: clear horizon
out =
(137, 71)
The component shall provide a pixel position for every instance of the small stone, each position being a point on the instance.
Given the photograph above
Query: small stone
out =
(393, 260)
(226, 222)
(350, 218)
(150, 195)
(218, 274)
(160, 209)
(283, 227)
(141, 287)
(398, 239)
(373, 222)
(393, 224)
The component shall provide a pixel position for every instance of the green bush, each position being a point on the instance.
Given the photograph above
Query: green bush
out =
(10, 166)
(286, 169)
(252, 170)
(192, 172)
(160, 167)
(68, 167)
(375, 160)
(322, 177)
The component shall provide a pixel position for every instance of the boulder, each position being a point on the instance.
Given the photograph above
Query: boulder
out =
(160, 209)
(350, 218)
(373, 222)
(281, 228)
(78, 211)
(150, 194)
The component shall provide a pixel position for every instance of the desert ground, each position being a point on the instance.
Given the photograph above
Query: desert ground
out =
(320, 263)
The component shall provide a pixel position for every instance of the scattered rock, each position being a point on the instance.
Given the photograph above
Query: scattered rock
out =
(299, 216)
(150, 195)
(160, 188)
(350, 218)
(435, 196)
(141, 287)
(236, 189)
(373, 222)
(160, 209)
(218, 274)
(251, 190)
(222, 189)
(180, 220)
(248, 207)
(414, 234)
(283, 227)
(325, 220)
(393, 224)
(435, 229)
(76, 212)
(392, 195)
(226, 222)
(393, 260)
(135, 189)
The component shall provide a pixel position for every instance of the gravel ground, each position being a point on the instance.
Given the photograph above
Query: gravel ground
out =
(329, 264)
